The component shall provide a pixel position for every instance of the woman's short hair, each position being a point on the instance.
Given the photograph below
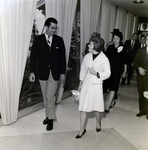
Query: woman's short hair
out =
(95, 34)
(49, 20)
(98, 43)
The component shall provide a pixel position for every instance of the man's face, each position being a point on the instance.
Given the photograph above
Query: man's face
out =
(142, 40)
(51, 29)
(135, 37)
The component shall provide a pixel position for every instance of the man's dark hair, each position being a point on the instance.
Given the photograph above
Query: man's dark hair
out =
(49, 20)
(135, 34)
(142, 35)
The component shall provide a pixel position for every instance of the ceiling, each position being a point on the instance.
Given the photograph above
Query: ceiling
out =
(139, 9)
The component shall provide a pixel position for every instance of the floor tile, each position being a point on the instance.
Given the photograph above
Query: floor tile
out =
(121, 129)
(115, 141)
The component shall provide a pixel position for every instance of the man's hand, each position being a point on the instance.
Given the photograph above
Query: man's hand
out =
(142, 71)
(32, 77)
(145, 94)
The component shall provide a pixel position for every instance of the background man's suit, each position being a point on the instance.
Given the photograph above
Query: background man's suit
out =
(131, 53)
(141, 60)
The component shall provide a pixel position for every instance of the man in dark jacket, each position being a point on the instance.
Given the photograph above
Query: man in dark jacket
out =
(131, 47)
(48, 54)
(141, 65)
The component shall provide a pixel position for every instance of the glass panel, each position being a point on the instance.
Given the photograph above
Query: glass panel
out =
(31, 92)
(72, 78)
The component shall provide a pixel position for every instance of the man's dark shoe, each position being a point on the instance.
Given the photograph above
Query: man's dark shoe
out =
(49, 125)
(146, 116)
(140, 114)
(46, 121)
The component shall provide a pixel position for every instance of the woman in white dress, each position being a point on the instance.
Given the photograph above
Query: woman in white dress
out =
(94, 69)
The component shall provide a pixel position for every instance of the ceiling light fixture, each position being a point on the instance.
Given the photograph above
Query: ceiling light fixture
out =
(138, 1)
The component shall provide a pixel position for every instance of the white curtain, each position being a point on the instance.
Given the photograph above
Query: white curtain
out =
(121, 20)
(112, 20)
(107, 20)
(64, 12)
(135, 25)
(89, 18)
(129, 25)
(16, 21)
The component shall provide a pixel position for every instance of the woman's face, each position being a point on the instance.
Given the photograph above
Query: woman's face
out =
(116, 39)
(91, 46)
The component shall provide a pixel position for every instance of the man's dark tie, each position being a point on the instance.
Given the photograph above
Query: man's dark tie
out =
(48, 40)
(132, 45)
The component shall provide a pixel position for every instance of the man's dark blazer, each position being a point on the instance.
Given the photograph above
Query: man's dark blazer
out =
(46, 58)
(131, 53)
(141, 60)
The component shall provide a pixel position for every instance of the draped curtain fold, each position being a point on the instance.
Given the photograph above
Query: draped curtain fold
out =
(89, 18)
(135, 25)
(107, 20)
(15, 31)
(112, 20)
(121, 20)
(64, 12)
(129, 25)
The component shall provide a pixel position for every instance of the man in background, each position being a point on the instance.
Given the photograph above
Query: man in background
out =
(142, 41)
(131, 46)
(141, 65)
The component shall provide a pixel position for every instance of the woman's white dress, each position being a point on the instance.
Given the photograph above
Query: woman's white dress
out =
(91, 94)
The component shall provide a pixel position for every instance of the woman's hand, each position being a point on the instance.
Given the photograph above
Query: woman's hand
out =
(92, 71)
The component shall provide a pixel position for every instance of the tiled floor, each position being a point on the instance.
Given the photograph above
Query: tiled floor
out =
(121, 129)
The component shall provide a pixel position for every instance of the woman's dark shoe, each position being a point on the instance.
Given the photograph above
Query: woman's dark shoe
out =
(79, 136)
(107, 111)
(98, 129)
(113, 104)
